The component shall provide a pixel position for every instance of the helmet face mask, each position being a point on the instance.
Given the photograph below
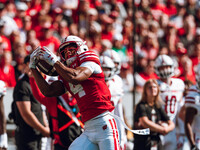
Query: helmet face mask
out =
(108, 67)
(165, 72)
(164, 66)
(107, 73)
(68, 51)
(116, 59)
(72, 46)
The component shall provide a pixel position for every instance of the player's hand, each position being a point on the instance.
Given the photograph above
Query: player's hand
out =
(48, 56)
(33, 58)
(3, 140)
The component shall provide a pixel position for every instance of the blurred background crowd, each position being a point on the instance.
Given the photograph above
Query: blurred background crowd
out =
(137, 30)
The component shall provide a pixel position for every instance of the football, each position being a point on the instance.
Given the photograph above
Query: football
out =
(46, 68)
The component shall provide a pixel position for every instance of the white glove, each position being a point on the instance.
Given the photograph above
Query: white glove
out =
(3, 141)
(34, 57)
(48, 56)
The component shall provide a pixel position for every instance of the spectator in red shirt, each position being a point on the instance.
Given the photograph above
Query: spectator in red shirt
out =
(27, 26)
(170, 8)
(33, 7)
(19, 55)
(62, 30)
(21, 8)
(127, 32)
(181, 55)
(196, 55)
(142, 7)
(150, 45)
(7, 71)
(157, 9)
(31, 42)
(107, 28)
(145, 75)
(6, 45)
(142, 29)
(49, 40)
(171, 38)
(187, 72)
(11, 8)
(73, 29)
(188, 31)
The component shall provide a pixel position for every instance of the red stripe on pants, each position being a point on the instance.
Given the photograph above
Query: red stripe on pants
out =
(116, 130)
(114, 135)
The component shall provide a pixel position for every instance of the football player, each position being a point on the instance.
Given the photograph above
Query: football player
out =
(3, 134)
(182, 140)
(81, 74)
(192, 118)
(116, 91)
(171, 92)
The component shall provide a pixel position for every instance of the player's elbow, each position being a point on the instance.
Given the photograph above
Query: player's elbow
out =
(48, 93)
(75, 79)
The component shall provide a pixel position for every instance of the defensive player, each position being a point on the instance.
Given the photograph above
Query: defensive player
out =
(192, 118)
(82, 76)
(117, 61)
(116, 91)
(182, 140)
(3, 134)
(171, 92)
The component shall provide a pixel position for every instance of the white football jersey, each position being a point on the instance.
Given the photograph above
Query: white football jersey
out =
(171, 95)
(193, 100)
(115, 87)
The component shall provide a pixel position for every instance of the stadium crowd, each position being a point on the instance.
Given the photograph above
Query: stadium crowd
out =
(139, 32)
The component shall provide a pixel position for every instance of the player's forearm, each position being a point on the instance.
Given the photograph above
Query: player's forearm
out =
(68, 74)
(42, 84)
(36, 91)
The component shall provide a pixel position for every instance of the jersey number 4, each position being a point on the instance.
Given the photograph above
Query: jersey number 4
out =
(77, 89)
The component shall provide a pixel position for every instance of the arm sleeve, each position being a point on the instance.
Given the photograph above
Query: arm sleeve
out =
(94, 67)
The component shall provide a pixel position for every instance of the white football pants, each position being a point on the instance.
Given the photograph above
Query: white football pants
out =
(100, 133)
